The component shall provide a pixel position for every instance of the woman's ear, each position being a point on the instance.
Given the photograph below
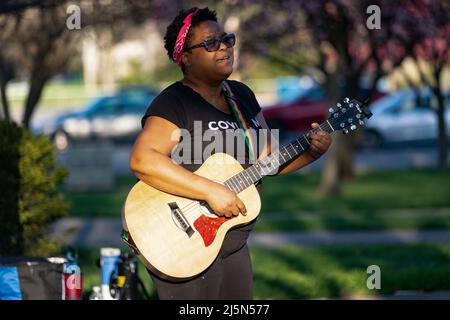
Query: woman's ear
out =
(185, 59)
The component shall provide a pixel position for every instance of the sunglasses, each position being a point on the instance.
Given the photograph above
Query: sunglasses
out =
(211, 45)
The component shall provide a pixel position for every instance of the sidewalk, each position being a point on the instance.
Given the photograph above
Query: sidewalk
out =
(100, 232)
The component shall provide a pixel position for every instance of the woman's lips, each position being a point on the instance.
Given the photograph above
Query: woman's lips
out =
(225, 59)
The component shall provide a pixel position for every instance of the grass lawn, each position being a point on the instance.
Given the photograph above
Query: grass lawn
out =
(57, 95)
(326, 272)
(375, 200)
(101, 204)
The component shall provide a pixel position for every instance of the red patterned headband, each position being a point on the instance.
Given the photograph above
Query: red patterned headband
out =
(179, 44)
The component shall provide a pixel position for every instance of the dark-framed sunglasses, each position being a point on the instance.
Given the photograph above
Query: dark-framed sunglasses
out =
(214, 44)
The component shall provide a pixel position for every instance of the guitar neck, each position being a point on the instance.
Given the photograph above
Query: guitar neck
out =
(270, 164)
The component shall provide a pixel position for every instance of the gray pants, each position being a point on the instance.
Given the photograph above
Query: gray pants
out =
(228, 278)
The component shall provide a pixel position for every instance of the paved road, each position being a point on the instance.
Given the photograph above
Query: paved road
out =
(99, 232)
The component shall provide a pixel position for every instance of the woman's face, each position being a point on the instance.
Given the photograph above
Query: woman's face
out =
(215, 65)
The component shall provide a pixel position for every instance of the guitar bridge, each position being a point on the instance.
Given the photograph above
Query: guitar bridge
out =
(180, 220)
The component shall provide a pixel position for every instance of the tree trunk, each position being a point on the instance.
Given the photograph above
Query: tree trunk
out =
(350, 141)
(4, 77)
(345, 159)
(339, 164)
(5, 105)
(37, 82)
(330, 176)
(443, 144)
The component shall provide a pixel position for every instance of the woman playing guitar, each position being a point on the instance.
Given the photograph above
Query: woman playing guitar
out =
(197, 43)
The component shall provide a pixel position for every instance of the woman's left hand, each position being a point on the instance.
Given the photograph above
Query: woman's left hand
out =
(320, 142)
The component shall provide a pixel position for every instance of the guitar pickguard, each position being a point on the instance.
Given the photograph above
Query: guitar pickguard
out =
(207, 227)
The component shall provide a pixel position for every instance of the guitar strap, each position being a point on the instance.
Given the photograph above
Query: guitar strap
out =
(241, 119)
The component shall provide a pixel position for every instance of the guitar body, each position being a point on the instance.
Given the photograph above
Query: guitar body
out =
(157, 223)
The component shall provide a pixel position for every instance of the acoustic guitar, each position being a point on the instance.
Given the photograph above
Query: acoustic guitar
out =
(178, 238)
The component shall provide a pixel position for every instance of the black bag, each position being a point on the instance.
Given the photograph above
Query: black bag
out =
(31, 278)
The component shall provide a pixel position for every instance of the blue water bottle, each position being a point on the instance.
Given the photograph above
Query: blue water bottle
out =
(109, 258)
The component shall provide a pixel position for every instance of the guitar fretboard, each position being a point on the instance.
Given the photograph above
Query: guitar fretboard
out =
(270, 164)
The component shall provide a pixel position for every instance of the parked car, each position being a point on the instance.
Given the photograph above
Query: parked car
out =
(403, 117)
(115, 117)
(300, 110)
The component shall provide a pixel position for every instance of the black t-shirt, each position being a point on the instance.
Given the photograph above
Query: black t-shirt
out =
(202, 122)
(184, 107)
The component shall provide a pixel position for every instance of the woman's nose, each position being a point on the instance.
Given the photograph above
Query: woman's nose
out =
(222, 46)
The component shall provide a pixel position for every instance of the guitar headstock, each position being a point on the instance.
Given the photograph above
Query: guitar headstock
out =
(349, 114)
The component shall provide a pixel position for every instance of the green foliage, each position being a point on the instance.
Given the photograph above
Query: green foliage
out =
(164, 72)
(136, 74)
(257, 67)
(10, 228)
(30, 177)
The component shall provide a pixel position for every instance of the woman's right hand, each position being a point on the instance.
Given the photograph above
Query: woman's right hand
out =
(225, 202)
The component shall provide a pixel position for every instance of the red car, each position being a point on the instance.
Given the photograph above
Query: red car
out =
(298, 114)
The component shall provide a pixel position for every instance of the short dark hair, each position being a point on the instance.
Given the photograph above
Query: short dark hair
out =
(174, 28)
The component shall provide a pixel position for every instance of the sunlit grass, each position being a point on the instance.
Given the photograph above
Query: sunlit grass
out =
(369, 191)
(325, 272)
(341, 271)
(58, 95)
(375, 200)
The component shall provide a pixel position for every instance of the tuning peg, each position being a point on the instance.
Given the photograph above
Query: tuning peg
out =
(338, 105)
(358, 115)
(346, 100)
(351, 105)
(343, 110)
(361, 123)
(345, 131)
(350, 120)
(342, 124)
(331, 110)
(352, 127)
(335, 115)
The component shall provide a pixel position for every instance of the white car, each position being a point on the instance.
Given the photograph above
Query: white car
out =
(115, 117)
(401, 117)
